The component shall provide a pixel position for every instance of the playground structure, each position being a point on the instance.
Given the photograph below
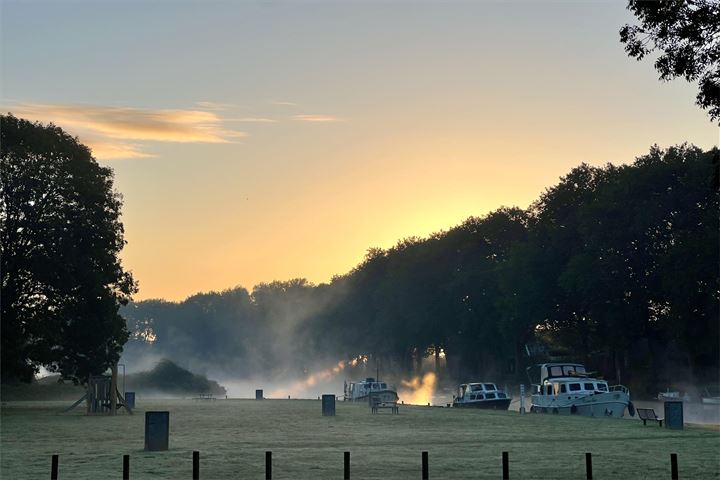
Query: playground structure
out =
(102, 396)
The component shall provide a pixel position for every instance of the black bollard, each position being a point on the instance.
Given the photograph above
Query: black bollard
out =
(673, 466)
(126, 467)
(346, 470)
(268, 465)
(588, 465)
(196, 465)
(54, 468)
(506, 467)
(425, 470)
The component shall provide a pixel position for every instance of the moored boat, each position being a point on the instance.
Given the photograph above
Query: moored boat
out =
(711, 396)
(673, 396)
(568, 389)
(380, 392)
(481, 395)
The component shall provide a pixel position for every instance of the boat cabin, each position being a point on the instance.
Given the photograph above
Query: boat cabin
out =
(568, 378)
(361, 389)
(557, 370)
(572, 386)
(480, 391)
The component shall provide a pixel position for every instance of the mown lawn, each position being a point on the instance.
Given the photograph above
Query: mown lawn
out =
(232, 436)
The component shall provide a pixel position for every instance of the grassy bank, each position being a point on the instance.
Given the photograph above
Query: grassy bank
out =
(232, 436)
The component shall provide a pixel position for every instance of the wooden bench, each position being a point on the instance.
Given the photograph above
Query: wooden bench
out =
(392, 406)
(646, 414)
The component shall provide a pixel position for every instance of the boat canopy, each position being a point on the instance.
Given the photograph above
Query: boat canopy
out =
(555, 370)
(479, 387)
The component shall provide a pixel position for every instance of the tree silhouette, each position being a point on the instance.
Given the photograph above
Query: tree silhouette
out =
(687, 35)
(614, 265)
(60, 235)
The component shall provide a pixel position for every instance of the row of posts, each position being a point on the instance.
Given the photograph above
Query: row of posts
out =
(346, 469)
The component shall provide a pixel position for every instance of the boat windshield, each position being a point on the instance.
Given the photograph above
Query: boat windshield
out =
(476, 388)
(566, 370)
(490, 386)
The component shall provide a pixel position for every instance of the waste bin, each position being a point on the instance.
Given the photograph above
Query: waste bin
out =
(328, 405)
(674, 415)
(157, 430)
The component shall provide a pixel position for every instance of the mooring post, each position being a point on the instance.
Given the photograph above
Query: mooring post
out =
(54, 468)
(268, 465)
(196, 465)
(588, 465)
(522, 398)
(126, 467)
(673, 466)
(425, 470)
(346, 469)
(505, 466)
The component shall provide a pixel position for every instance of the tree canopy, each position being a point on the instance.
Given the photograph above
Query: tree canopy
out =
(60, 236)
(686, 33)
(616, 266)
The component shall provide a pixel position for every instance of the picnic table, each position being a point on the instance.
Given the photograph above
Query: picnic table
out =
(392, 406)
(205, 396)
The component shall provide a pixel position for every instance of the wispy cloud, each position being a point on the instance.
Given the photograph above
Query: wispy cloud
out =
(316, 118)
(251, 120)
(288, 104)
(115, 150)
(109, 128)
(214, 105)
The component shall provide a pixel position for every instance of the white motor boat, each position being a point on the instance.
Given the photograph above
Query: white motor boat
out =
(481, 395)
(568, 389)
(673, 396)
(380, 392)
(711, 396)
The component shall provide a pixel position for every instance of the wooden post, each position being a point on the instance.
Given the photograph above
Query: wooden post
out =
(588, 466)
(87, 397)
(196, 465)
(346, 470)
(113, 390)
(425, 469)
(505, 466)
(268, 465)
(126, 467)
(673, 466)
(54, 468)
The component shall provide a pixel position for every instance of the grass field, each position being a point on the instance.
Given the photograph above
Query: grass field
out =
(232, 436)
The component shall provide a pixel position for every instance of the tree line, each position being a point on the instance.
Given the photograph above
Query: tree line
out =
(616, 266)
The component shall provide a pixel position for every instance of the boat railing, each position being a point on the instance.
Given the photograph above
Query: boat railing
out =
(620, 388)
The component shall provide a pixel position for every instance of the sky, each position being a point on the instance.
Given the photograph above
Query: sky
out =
(264, 140)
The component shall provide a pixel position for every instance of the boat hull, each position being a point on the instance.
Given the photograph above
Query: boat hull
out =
(383, 396)
(611, 404)
(497, 404)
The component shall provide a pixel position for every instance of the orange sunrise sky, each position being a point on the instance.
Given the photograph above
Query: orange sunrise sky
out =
(260, 141)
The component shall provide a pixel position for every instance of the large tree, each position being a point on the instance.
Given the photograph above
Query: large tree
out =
(60, 236)
(686, 34)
